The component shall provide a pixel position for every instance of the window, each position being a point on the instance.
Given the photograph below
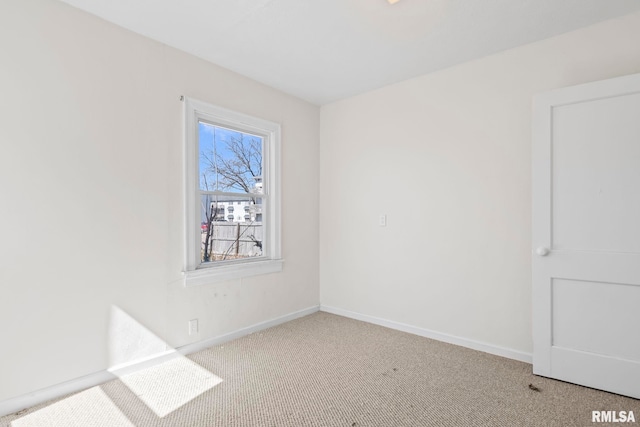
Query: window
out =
(230, 157)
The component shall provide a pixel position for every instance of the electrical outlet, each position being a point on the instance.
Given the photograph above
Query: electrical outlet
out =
(382, 221)
(193, 327)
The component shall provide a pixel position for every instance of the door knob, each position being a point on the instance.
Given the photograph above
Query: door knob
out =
(542, 251)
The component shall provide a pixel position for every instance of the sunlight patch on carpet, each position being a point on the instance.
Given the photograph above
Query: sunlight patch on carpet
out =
(90, 408)
(170, 385)
(157, 374)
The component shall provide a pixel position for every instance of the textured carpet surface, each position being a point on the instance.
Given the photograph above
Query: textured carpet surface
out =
(327, 370)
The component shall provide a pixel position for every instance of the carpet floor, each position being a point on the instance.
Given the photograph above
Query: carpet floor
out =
(327, 370)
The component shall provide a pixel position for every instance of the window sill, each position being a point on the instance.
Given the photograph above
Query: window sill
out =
(220, 273)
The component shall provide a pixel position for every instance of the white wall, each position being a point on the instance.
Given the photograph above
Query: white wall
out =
(91, 185)
(457, 142)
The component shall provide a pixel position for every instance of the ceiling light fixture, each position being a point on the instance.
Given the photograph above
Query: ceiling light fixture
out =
(393, 1)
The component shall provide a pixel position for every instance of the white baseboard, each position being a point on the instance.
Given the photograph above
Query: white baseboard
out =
(451, 339)
(16, 404)
(201, 345)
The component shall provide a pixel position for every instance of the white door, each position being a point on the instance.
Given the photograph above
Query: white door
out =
(586, 235)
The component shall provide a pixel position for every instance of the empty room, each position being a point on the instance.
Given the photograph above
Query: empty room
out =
(319, 213)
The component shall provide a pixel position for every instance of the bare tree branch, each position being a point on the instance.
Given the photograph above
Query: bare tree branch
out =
(240, 170)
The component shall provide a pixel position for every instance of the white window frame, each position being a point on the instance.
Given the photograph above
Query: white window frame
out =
(195, 272)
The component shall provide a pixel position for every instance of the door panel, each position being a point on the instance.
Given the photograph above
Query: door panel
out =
(586, 235)
(595, 168)
(582, 311)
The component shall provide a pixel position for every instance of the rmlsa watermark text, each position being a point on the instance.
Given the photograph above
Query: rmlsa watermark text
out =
(613, 417)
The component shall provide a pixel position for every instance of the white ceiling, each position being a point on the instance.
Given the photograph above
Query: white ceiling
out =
(325, 50)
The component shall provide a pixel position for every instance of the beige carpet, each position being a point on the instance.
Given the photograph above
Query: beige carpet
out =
(327, 370)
